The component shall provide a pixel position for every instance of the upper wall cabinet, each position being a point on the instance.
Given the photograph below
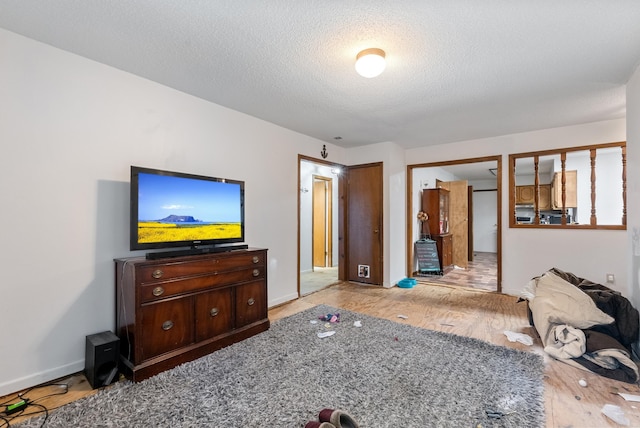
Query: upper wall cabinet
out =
(525, 196)
(578, 187)
(570, 190)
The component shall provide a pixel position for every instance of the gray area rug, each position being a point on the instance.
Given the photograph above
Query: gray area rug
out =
(385, 374)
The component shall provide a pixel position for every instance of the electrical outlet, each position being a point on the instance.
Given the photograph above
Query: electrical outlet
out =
(611, 278)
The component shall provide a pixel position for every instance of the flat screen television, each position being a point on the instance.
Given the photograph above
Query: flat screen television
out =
(174, 209)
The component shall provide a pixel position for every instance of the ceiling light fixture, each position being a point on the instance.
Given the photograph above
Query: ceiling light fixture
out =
(370, 62)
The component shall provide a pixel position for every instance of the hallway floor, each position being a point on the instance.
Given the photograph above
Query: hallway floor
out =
(482, 274)
(317, 279)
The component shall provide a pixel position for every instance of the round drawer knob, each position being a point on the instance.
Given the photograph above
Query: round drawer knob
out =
(251, 301)
(158, 291)
(167, 325)
(255, 259)
(157, 273)
(256, 272)
(214, 311)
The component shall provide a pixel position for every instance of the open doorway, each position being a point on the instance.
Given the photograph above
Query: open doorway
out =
(481, 216)
(322, 219)
(318, 224)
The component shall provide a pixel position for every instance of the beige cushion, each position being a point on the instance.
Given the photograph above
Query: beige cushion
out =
(557, 301)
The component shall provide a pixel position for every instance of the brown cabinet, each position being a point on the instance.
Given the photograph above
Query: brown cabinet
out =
(445, 251)
(435, 202)
(170, 311)
(571, 190)
(526, 195)
(545, 197)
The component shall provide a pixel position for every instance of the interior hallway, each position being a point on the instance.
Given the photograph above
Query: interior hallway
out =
(481, 274)
(319, 278)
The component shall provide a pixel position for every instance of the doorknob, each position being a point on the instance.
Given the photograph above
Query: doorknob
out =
(375, 230)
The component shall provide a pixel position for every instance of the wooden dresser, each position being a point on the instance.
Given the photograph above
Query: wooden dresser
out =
(174, 310)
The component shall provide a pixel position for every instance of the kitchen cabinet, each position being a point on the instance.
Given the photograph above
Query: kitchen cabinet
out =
(545, 197)
(525, 195)
(571, 190)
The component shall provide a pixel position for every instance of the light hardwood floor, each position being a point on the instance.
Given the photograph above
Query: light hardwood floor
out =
(467, 312)
(319, 278)
(481, 274)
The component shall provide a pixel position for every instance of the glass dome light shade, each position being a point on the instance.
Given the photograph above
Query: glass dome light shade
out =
(370, 62)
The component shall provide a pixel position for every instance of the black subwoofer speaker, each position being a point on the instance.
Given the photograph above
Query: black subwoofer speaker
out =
(102, 353)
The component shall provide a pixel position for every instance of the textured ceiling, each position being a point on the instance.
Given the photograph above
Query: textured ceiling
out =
(456, 70)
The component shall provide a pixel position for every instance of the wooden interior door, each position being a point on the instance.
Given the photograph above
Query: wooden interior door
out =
(364, 224)
(458, 220)
(322, 221)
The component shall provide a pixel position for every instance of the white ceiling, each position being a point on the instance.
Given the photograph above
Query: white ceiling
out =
(456, 70)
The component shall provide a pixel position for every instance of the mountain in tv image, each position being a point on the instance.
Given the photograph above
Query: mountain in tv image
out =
(178, 228)
(179, 219)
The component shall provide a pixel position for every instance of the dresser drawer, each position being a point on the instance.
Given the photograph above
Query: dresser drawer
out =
(161, 290)
(166, 271)
(166, 326)
(248, 298)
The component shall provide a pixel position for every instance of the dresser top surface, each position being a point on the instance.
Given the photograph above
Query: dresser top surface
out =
(192, 257)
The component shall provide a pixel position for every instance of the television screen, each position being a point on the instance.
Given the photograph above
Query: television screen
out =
(172, 209)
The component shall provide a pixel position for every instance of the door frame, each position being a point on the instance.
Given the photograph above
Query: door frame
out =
(341, 213)
(410, 214)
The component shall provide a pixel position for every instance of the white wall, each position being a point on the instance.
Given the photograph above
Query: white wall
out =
(529, 252)
(70, 129)
(633, 189)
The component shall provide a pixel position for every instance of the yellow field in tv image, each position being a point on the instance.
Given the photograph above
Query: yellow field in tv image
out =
(151, 231)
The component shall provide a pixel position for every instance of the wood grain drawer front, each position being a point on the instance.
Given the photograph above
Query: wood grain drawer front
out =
(250, 303)
(168, 271)
(214, 313)
(166, 326)
(447, 250)
(161, 290)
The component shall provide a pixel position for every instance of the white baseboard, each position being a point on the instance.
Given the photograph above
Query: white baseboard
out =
(16, 385)
(284, 299)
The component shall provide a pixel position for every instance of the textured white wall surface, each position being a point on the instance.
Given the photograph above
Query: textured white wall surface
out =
(455, 70)
(70, 129)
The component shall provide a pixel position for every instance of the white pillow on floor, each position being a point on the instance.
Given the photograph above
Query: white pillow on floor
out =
(561, 302)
